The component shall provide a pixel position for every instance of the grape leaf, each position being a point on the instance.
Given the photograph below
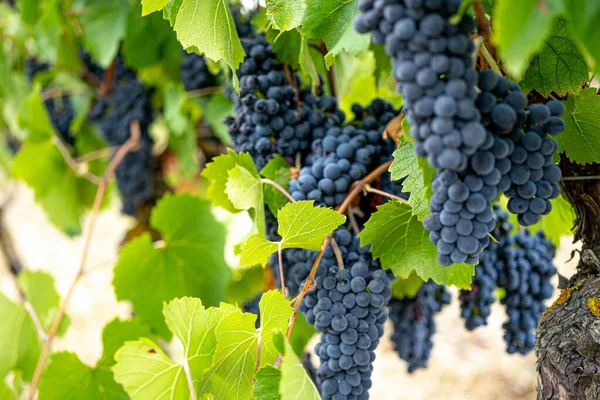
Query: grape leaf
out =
(267, 383)
(407, 287)
(174, 116)
(149, 6)
(285, 14)
(245, 284)
(418, 178)
(189, 263)
(30, 11)
(584, 16)
(581, 138)
(86, 382)
(6, 392)
(559, 67)
(20, 344)
(102, 39)
(331, 21)
(275, 312)
(245, 191)
(277, 170)
(295, 381)
(207, 25)
(402, 244)
(286, 46)
(307, 64)
(217, 173)
(300, 225)
(519, 30)
(170, 11)
(144, 370)
(39, 291)
(215, 110)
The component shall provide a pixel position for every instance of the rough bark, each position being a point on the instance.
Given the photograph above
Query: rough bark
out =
(568, 336)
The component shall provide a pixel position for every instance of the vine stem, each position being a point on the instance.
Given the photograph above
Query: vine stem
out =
(203, 92)
(96, 154)
(107, 79)
(129, 145)
(483, 27)
(358, 187)
(368, 188)
(96, 180)
(278, 187)
(579, 178)
(330, 71)
(338, 254)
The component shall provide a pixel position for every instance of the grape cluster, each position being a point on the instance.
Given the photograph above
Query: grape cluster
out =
(129, 101)
(534, 176)
(348, 306)
(432, 62)
(414, 325)
(344, 155)
(526, 273)
(268, 117)
(195, 74)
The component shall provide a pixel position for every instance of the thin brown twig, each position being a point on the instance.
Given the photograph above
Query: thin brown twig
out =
(370, 189)
(376, 173)
(353, 222)
(73, 164)
(483, 27)
(322, 47)
(338, 254)
(278, 187)
(54, 93)
(96, 154)
(129, 145)
(203, 92)
(107, 79)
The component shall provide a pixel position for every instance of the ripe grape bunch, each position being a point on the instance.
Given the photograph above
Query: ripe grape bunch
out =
(348, 306)
(129, 101)
(414, 325)
(195, 74)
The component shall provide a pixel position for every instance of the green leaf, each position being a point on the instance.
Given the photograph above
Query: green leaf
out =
(295, 382)
(39, 291)
(301, 334)
(6, 392)
(286, 46)
(285, 14)
(383, 63)
(243, 188)
(20, 345)
(307, 65)
(584, 16)
(519, 31)
(170, 11)
(189, 263)
(418, 178)
(149, 6)
(208, 26)
(301, 225)
(145, 371)
(246, 283)
(331, 21)
(402, 244)
(559, 67)
(275, 313)
(215, 110)
(175, 118)
(103, 24)
(407, 287)
(277, 170)
(232, 371)
(581, 138)
(217, 173)
(85, 382)
(30, 11)
(267, 383)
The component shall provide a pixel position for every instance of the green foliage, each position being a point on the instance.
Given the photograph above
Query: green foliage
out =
(418, 178)
(331, 21)
(86, 382)
(407, 287)
(245, 284)
(300, 225)
(190, 262)
(277, 170)
(584, 16)
(20, 345)
(402, 244)
(38, 288)
(285, 14)
(519, 30)
(221, 349)
(581, 139)
(559, 66)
